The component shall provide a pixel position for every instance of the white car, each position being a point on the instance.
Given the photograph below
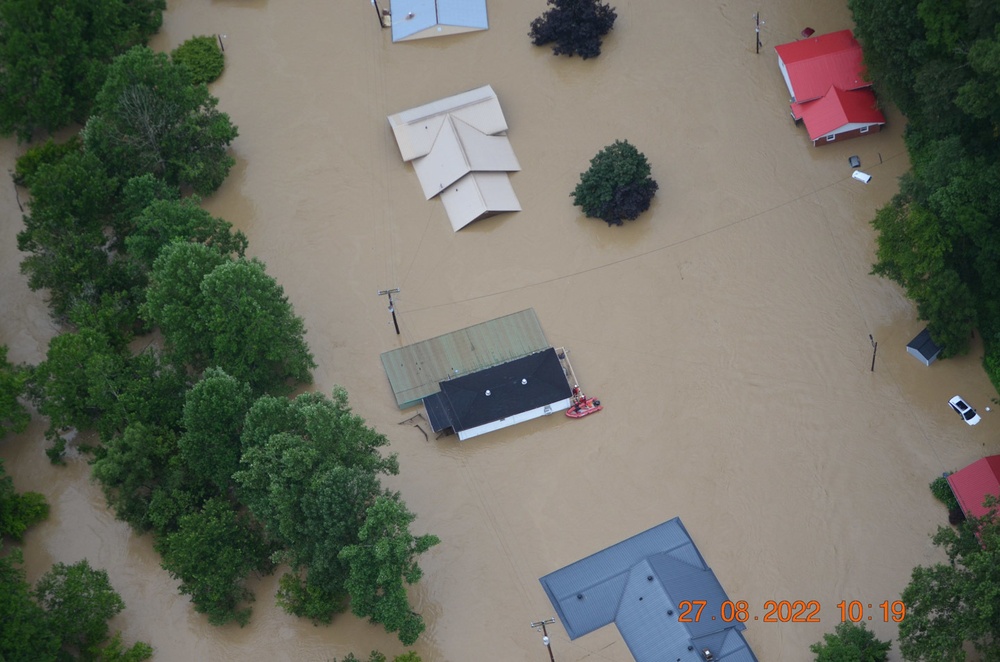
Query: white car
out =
(967, 413)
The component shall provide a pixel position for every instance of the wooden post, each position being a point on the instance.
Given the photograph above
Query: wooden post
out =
(874, 350)
(219, 37)
(392, 308)
(545, 635)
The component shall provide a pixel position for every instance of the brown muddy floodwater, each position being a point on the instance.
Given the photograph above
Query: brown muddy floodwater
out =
(726, 330)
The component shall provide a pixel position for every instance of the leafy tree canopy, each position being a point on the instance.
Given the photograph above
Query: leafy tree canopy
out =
(576, 27)
(617, 186)
(202, 57)
(78, 601)
(951, 605)
(14, 417)
(54, 56)
(851, 642)
(18, 511)
(25, 636)
(150, 118)
(212, 552)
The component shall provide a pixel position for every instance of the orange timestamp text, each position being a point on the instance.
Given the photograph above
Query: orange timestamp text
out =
(788, 611)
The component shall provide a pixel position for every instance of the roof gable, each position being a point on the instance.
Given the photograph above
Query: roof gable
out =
(837, 109)
(974, 482)
(812, 65)
(419, 19)
(639, 584)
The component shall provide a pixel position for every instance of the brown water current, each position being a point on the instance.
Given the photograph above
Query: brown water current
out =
(726, 331)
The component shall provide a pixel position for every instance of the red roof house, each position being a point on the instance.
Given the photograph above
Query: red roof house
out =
(825, 78)
(974, 482)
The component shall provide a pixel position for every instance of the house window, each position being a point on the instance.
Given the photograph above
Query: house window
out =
(830, 138)
(863, 129)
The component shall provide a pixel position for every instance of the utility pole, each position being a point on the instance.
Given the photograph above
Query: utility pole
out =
(392, 308)
(545, 634)
(874, 349)
(756, 18)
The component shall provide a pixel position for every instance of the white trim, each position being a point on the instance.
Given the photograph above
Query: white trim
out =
(864, 129)
(514, 419)
(831, 137)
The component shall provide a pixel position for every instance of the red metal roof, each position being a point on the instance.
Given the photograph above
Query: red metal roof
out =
(836, 109)
(816, 63)
(974, 482)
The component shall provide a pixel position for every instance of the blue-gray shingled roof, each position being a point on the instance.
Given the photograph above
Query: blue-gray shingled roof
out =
(638, 584)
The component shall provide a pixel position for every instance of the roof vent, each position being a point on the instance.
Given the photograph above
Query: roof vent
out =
(649, 578)
(579, 596)
(670, 612)
(488, 392)
(524, 381)
(707, 654)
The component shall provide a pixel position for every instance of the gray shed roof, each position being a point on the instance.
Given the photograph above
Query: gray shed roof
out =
(923, 347)
(638, 584)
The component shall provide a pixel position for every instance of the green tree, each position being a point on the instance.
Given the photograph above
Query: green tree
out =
(617, 186)
(54, 55)
(18, 511)
(65, 233)
(174, 300)
(202, 57)
(164, 221)
(255, 335)
(78, 601)
(47, 153)
(576, 27)
(212, 553)
(851, 642)
(213, 420)
(380, 563)
(116, 651)
(25, 635)
(13, 383)
(149, 118)
(952, 605)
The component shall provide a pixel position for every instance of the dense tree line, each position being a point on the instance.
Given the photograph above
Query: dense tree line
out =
(939, 62)
(198, 443)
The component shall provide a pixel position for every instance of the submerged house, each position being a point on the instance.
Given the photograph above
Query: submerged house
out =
(974, 483)
(923, 348)
(643, 585)
(825, 77)
(420, 19)
(460, 152)
(500, 396)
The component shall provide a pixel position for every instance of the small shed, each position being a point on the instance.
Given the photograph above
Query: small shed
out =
(923, 347)
(645, 585)
(500, 396)
(972, 484)
(420, 19)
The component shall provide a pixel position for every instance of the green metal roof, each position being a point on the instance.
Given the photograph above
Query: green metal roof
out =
(414, 371)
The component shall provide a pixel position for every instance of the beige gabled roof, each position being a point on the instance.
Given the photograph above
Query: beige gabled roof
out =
(416, 129)
(460, 151)
(478, 195)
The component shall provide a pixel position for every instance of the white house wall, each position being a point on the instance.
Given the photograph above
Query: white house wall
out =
(561, 405)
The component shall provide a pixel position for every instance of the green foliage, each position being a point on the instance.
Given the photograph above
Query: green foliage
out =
(149, 118)
(576, 27)
(380, 563)
(47, 153)
(78, 601)
(991, 360)
(374, 656)
(950, 606)
(617, 186)
(164, 221)
(18, 511)
(213, 419)
(64, 235)
(212, 552)
(202, 57)
(25, 635)
(411, 656)
(942, 492)
(309, 475)
(115, 651)
(54, 55)
(851, 642)
(14, 417)
(217, 312)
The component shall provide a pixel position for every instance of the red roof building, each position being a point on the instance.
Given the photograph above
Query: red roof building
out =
(829, 93)
(974, 482)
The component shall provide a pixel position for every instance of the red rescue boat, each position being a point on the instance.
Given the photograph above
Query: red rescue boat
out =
(584, 406)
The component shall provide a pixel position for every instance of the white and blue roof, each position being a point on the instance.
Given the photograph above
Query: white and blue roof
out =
(419, 19)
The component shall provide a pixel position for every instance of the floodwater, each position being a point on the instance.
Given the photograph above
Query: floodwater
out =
(726, 331)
